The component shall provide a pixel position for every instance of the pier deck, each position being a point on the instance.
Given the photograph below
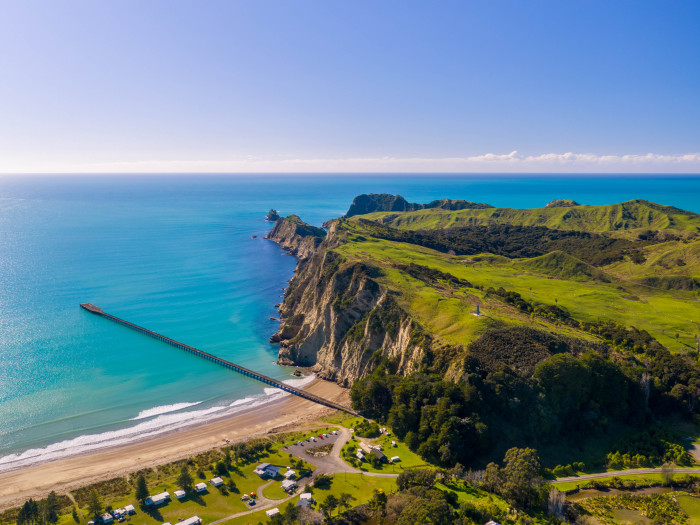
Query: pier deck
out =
(226, 364)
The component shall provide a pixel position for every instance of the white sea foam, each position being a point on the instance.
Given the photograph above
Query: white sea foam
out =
(156, 411)
(161, 423)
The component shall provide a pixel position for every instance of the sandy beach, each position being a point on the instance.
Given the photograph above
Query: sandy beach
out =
(63, 475)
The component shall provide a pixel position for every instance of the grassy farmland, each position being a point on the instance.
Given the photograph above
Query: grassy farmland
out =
(445, 312)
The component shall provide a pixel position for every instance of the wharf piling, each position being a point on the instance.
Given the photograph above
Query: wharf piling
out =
(217, 360)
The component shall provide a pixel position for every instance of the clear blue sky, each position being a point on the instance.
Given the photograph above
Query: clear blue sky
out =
(323, 85)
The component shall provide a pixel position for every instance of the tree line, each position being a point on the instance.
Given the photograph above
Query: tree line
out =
(572, 388)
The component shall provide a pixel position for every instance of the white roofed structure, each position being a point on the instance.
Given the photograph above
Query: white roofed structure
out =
(194, 520)
(217, 482)
(290, 474)
(289, 484)
(158, 499)
(272, 512)
(200, 487)
(265, 469)
(179, 494)
(130, 509)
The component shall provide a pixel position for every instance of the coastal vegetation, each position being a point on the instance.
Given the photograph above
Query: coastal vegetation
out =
(492, 351)
(471, 331)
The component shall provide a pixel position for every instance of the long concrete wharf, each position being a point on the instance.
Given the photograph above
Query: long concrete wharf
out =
(226, 364)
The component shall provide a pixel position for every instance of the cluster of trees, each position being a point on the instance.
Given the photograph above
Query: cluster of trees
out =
(368, 429)
(562, 393)
(42, 512)
(673, 282)
(433, 276)
(561, 471)
(520, 480)
(247, 450)
(448, 422)
(652, 446)
(516, 242)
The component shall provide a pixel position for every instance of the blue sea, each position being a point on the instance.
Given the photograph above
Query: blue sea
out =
(176, 254)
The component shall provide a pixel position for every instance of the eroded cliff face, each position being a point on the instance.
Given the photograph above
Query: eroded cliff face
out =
(294, 235)
(339, 321)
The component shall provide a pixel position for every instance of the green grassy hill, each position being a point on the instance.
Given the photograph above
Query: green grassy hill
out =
(553, 279)
(632, 216)
(674, 258)
(560, 264)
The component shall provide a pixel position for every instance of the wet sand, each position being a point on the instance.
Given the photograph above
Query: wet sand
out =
(289, 413)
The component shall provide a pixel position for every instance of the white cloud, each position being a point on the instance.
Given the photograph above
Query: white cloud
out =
(513, 162)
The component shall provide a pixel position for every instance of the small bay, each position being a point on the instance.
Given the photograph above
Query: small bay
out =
(183, 255)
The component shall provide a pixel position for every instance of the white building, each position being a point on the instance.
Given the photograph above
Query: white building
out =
(289, 485)
(272, 512)
(130, 509)
(200, 487)
(194, 520)
(179, 494)
(217, 482)
(106, 518)
(267, 470)
(158, 499)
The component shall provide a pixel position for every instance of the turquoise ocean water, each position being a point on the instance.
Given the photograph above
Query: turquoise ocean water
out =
(176, 255)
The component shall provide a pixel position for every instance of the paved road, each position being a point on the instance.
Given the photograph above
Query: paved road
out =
(332, 463)
(628, 472)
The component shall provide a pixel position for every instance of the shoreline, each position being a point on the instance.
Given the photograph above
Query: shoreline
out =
(65, 474)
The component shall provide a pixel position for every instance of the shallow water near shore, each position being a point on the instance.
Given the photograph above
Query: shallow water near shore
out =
(176, 254)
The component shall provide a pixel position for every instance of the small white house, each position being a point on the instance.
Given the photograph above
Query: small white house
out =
(179, 494)
(395, 459)
(272, 512)
(267, 470)
(306, 495)
(290, 474)
(200, 487)
(217, 482)
(158, 499)
(130, 509)
(288, 485)
(107, 518)
(194, 520)
(360, 456)
(393, 443)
